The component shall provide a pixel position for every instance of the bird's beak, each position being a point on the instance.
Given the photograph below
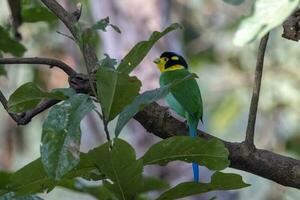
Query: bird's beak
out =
(156, 61)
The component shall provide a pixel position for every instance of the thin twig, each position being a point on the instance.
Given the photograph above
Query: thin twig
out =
(65, 35)
(25, 117)
(106, 130)
(255, 94)
(105, 125)
(44, 105)
(3, 100)
(44, 61)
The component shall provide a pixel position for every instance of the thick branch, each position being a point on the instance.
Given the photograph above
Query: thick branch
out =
(255, 94)
(27, 116)
(70, 21)
(44, 61)
(281, 169)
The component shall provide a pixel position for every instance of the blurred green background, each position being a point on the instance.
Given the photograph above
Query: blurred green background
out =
(225, 78)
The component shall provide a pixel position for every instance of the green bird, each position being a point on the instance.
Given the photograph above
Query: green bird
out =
(185, 99)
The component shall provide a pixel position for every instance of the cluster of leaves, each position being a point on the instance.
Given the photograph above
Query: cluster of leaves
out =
(114, 163)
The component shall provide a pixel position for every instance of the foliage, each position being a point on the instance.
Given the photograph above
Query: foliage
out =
(37, 13)
(21, 101)
(10, 45)
(267, 15)
(115, 162)
(103, 23)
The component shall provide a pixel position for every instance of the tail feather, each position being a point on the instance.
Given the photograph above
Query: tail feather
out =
(193, 134)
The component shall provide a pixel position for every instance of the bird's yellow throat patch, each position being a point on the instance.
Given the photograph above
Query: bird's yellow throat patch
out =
(161, 62)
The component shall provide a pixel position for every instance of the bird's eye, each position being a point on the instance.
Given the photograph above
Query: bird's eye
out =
(166, 59)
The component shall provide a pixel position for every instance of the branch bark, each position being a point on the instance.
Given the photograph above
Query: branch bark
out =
(281, 169)
(44, 61)
(255, 94)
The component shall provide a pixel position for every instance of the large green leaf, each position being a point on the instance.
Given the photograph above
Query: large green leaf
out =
(267, 15)
(28, 96)
(61, 135)
(37, 13)
(115, 91)
(234, 2)
(32, 178)
(119, 164)
(153, 184)
(9, 45)
(143, 100)
(140, 50)
(98, 191)
(219, 181)
(4, 179)
(212, 154)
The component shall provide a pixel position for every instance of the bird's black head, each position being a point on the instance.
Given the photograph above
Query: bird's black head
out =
(169, 61)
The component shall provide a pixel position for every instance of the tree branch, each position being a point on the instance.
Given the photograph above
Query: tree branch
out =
(255, 94)
(44, 61)
(281, 169)
(25, 117)
(70, 20)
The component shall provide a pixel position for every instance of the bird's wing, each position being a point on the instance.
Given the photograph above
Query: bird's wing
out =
(186, 93)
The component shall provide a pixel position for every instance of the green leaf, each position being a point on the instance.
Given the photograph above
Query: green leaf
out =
(219, 181)
(234, 2)
(30, 179)
(61, 135)
(99, 192)
(153, 184)
(143, 100)
(101, 24)
(292, 144)
(3, 71)
(4, 179)
(140, 50)
(67, 92)
(9, 45)
(29, 96)
(212, 154)
(138, 104)
(108, 62)
(37, 14)
(12, 196)
(115, 91)
(267, 15)
(119, 164)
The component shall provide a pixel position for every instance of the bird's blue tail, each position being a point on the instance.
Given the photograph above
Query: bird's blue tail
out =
(193, 134)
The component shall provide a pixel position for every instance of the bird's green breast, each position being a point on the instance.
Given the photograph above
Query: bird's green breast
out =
(184, 96)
